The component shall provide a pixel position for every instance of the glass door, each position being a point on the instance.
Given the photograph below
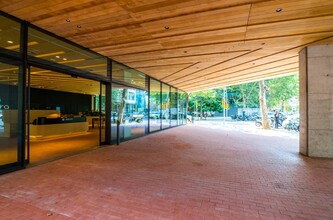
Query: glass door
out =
(129, 107)
(9, 114)
(65, 115)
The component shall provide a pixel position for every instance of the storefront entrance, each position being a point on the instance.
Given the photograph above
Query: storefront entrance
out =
(65, 115)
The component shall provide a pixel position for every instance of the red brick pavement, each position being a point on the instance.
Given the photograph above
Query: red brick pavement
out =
(189, 172)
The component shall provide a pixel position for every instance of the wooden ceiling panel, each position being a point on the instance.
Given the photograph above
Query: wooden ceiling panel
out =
(239, 77)
(159, 73)
(191, 44)
(245, 79)
(290, 28)
(175, 8)
(265, 12)
(129, 48)
(195, 23)
(239, 70)
(97, 11)
(33, 9)
(186, 72)
(119, 35)
(209, 37)
(185, 59)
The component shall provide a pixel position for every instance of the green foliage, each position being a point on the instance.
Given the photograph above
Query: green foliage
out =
(281, 90)
(208, 99)
(244, 95)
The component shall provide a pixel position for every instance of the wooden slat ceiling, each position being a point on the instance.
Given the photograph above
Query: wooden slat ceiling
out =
(191, 44)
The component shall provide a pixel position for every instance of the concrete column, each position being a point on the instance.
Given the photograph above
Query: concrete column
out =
(316, 101)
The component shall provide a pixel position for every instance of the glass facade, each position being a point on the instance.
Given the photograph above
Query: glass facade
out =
(57, 52)
(155, 105)
(173, 107)
(181, 107)
(62, 111)
(128, 76)
(9, 35)
(129, 108)
(8, 113)
(57, 98)
(165, 106)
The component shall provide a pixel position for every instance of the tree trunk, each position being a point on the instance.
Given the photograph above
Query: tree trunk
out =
(201, 108)
(263, 107)
(122, 106)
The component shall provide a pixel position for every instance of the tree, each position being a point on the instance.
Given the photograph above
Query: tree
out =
(205, 97)
(244, 95)
(263, 107)
(280, 90)
(119, 97)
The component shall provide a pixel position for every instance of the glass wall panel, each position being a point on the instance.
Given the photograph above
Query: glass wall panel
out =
(9, 34)
(63, 117)
(51, 49)
(8, 113)
(182, 107)
(101, 109)
(173, 107)
(165, 106)
(128, 75)
(129, 107)
(179, 108)
(155, 105)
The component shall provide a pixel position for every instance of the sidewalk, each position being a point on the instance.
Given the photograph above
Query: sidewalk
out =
(243, 126)
(190, 172)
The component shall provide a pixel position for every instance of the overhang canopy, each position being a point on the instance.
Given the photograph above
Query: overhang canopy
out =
(190, 44)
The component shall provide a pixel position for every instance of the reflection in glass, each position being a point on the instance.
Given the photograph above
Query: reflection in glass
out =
(51, 49)
(101, 109)
(155, 105)
(128, 75)
(129, 107)
(9, 34)
(173, 107)
(182, 107)
(64, 118)
(165, 106)
(8, 113)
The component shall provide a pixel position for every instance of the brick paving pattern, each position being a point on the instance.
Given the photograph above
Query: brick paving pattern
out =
(189, 172)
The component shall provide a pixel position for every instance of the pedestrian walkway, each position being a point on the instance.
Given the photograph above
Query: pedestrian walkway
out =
(189, 172)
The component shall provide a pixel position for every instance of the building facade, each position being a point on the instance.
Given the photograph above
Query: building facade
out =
(58, 98)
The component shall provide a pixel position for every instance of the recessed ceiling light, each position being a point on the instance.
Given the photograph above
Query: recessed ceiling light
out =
(67, 20)
(166, 27)
(57, 56)
(10, 42)
(78, 26)
(278, 9)
(64, 58)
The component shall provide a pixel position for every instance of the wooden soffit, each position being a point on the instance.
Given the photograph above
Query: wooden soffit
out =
(190, 44)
